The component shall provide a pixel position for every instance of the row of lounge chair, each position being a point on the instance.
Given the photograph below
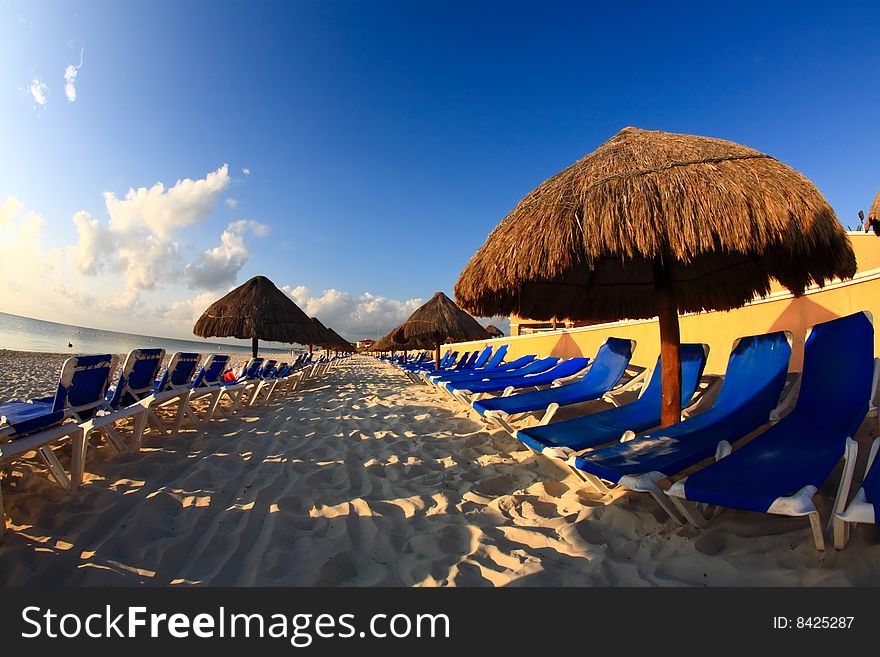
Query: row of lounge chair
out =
(741, 443)
(85, 403)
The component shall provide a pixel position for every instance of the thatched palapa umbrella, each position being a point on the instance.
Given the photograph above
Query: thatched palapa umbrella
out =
(437, 320)
(340, 343)
(257, 310)
(873, 221)
(494, 331)
(387, 343)
(322, 335)
(652, 224)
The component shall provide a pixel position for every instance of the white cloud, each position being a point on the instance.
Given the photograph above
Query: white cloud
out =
(39, 90)
(137, 240)
(246, 171)
(161, 211)
(187, 311)
(365, 316)
(70, 74)
(231, 203)
(27, 270)
(219, 266)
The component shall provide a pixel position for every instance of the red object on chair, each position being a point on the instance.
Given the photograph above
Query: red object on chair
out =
(229, 375)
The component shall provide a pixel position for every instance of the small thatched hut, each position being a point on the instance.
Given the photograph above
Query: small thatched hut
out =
(494, 331)
(438, 320)
(257, 310)
(651, 224)
(873, 220)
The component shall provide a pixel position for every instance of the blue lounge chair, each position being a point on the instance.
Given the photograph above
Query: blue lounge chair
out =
(492, 361)
(534, 367)
(268, 378)
(562, 439)
(864, 506)
(506, 369)
(174, 386)
(39, 424)
(611, 361)
(446, 365)
(781, 470)
(136, 383)
(245, 381)
(469, 391)
(426, 363)
(754, 380)
(208, 383)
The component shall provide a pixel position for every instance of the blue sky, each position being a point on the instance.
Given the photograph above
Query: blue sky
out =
(358, 153)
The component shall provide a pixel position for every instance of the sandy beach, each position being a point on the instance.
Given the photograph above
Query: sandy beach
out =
(363, 478)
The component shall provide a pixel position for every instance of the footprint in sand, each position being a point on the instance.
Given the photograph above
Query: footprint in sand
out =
(710, 544)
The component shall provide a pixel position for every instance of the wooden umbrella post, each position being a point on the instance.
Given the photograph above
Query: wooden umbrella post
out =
(437, 356)
(254, 346)
(670, 345)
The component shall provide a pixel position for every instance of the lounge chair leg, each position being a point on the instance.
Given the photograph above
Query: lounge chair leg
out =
(137, 433)
(818, 530)
(157, 424)
(213, 406)
(182, 404)
(113, 438)
(591, 479)
(80, 444)
(54, 466)
(690, 512)
(841, 532)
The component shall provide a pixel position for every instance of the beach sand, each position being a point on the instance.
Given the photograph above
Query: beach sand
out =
(363, 478)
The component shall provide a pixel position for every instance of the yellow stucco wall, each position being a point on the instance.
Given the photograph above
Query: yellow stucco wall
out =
(779, 311)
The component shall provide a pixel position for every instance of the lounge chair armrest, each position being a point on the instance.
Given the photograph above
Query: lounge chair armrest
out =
(722, 449)
(873, 408)
(549, 413)
(787, 402)
(705, 399)
(632, 383)
(850, 454)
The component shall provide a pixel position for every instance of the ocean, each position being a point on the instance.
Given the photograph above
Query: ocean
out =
(26, 334)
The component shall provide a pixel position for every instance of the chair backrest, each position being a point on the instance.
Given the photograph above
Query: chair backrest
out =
(138, 376)
(268, 369)
(612, 359)
(462, 362)
(693, 359)
(83, 384)
(252, 369)
(483, 357)
(838, 375)
(755, 375)
(212, 371)
(497, 357)
(179, 372)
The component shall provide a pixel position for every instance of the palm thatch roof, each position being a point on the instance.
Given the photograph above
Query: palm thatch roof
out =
(873, 220)
(256, 309)
(494, 331)
(437, 320)
(323, 338)
(340, 343)
(385, 343)
(720, 219)
(874, 212)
